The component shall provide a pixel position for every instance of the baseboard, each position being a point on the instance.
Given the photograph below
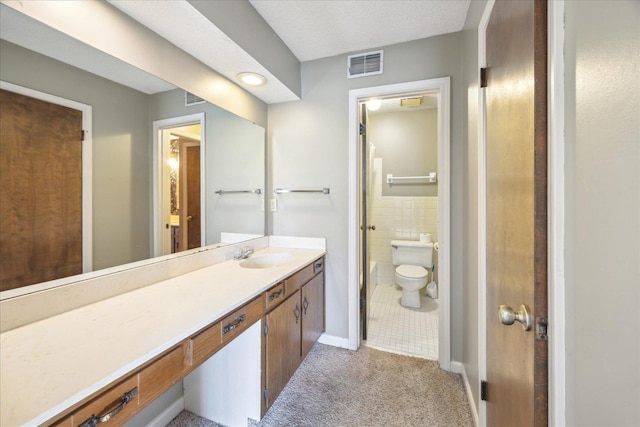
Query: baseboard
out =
(334, 341)
(168, 414)
(458, 368)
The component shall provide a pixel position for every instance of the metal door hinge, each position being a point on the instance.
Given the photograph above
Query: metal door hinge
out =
(541, 329)
(483, 77)
(266, 329)
(82, 134)
(264, 393)
(363, 303)
(363, 129)
(484, 390)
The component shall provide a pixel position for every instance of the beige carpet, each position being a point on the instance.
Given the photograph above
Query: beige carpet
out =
(337, 387)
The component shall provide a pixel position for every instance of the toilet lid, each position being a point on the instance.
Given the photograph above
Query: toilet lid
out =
(414, 271)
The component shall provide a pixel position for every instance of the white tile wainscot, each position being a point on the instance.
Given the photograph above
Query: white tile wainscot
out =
(48, 365)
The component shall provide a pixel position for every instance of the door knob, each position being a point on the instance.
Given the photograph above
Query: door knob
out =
(508, 316)
(189, 218)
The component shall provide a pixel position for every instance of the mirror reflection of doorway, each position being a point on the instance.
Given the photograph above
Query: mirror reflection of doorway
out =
(181, 201)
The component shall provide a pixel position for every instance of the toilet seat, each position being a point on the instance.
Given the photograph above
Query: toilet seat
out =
(412, 271)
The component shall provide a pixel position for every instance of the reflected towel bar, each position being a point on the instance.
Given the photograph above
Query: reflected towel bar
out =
(431, 177)
(282, 190)
(256, 191)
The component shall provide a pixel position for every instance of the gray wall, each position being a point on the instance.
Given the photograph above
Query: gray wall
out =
(309, 148)
(602, 85)
(120, 149)
(470, 198)
(407, 143)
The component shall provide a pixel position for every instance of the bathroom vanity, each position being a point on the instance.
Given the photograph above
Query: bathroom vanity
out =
(110, 358)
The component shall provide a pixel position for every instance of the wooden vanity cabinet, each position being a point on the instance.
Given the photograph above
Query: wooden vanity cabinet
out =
(292, 328)
(282, 346)
(312, 313)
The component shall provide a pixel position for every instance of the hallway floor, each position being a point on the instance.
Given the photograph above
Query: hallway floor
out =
(401, 330)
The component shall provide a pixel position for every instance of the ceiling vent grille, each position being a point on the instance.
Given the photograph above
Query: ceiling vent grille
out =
(364, 64)
(191, 99)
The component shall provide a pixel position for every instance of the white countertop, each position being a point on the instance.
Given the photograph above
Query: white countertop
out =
(50, 365)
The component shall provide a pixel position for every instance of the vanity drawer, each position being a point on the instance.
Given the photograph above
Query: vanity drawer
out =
(295, 281)
(318, 265)
(232, 325)
(274, 296)
(162, 374)
(206, 343)
(121, 401)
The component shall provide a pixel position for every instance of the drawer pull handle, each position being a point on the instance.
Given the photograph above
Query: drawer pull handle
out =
(306, 305)
(297, 312)
(275, 295)
(99, 419)
(318, 265)
(232, 326)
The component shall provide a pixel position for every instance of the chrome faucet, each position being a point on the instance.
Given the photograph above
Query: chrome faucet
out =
(243, 253)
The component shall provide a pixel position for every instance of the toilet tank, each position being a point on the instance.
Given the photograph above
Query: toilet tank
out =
(411, 252)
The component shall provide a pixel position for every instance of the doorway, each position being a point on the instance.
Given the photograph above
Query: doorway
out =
(179, 220)
(400, 163)
(54, 245)
(360, 216)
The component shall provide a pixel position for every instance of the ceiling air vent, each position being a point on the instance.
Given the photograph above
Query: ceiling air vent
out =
(364, 64)
(191, 99)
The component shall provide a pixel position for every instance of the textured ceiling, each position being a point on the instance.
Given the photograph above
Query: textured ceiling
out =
(315, 29)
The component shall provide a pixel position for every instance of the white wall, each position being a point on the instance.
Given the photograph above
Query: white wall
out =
(308, 142)
(602, 206)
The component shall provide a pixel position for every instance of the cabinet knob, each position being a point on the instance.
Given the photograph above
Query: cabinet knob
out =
(297, 312)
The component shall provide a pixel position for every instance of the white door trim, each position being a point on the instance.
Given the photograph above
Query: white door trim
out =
(442, 86)
(555, 206)
(482, 214)
(158, 126)
(87, 163)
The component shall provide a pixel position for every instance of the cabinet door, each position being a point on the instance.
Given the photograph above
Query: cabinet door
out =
(282, 345)
(312, 312)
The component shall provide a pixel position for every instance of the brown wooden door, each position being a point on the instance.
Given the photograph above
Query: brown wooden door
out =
(40, 191)
(312, 312)
(516, 211)
(190, 194)
(282, 345)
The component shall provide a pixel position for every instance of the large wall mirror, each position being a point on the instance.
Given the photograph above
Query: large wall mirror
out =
(156, 151)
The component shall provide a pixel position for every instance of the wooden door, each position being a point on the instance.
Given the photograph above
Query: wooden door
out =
(41, 191)
(516, 212)
(190, 194)
(312, 312)
(282, 345)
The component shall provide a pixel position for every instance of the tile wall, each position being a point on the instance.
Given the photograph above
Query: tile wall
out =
(402, 218)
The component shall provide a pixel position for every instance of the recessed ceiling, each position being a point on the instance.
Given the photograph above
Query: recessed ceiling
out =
(314, 29)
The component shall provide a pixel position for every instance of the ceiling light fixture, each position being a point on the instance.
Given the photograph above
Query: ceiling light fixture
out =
(253, 79)
(374, 104)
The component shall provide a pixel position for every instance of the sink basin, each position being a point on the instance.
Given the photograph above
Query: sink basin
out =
(266, 260)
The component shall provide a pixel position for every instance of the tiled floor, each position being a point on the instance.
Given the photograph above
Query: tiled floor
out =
(397, 329)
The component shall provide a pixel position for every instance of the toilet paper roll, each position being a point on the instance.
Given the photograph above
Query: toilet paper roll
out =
(425, 238)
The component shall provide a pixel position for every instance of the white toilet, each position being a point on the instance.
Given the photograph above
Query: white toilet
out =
(411, 257)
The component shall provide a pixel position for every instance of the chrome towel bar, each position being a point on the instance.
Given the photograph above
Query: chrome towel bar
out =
(322, 190)
(221, 192)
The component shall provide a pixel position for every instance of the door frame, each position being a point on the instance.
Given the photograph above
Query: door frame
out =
(555, 214)
(158, 126)
(87, 163)
(443, 86)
